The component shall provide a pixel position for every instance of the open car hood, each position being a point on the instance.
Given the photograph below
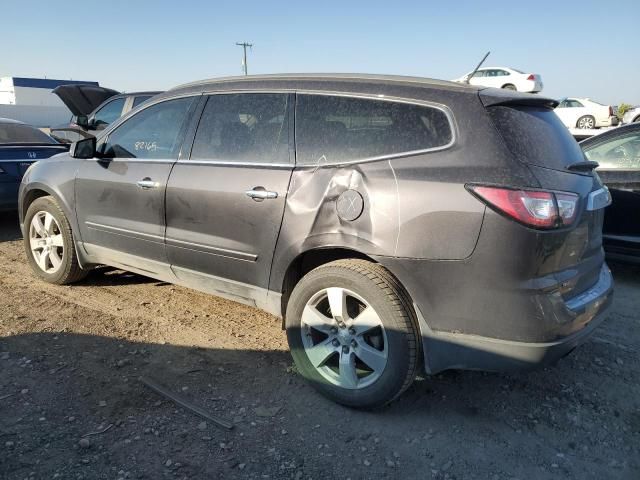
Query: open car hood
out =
(83, 99)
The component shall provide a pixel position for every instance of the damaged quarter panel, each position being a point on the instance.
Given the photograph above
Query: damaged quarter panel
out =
(414, 204)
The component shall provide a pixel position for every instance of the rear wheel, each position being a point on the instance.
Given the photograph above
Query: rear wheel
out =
(586, 121)
(353, 334)
(48, 242)
(509, 86)
(637, 119)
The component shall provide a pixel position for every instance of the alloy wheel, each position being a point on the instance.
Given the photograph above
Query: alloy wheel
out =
(586, 122)
(344, 338)
(46, 241)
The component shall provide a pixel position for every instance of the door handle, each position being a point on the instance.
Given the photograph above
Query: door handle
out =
(259, 194)
(147, 183)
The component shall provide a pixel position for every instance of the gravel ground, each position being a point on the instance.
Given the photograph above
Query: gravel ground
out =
(72, 405)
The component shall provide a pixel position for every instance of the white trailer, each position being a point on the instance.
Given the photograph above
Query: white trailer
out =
(30, 100)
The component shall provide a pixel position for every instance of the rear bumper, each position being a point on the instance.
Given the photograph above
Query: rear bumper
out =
(447, 350)
(609, 122)
(9, 195)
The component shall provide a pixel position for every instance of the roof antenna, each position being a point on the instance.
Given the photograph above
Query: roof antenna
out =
(470, 76)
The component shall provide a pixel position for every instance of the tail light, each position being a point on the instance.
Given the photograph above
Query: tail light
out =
(531, 77)
(533, 208)
(610, 111)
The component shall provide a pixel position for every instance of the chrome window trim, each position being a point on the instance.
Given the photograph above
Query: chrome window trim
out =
(228, 163)
(392, 99)
(303, 91)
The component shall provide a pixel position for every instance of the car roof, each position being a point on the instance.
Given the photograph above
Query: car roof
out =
(323, 78)
(10, 120)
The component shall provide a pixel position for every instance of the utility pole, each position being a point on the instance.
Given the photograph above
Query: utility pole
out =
(244, 46)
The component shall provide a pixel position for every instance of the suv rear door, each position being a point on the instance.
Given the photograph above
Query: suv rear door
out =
(226, 201)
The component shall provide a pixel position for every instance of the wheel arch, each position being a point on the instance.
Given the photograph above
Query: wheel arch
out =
(33, 191)
(36, 190)
(309, 259)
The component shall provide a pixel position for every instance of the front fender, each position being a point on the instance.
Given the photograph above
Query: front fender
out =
(54, 177)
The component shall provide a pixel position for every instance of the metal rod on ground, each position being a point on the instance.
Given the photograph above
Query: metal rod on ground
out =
(184, 403)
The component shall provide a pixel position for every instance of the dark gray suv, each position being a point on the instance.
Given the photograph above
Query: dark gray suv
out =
(394, 223)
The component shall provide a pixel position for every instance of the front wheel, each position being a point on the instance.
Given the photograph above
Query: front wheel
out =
(353, 334)
(586, 121)
(48, 242)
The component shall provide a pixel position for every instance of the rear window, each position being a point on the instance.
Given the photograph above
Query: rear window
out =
(536, 136)
(332, 129)
(18, 133)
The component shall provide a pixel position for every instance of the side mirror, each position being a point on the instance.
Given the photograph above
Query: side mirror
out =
(82, 121)
(85, 148)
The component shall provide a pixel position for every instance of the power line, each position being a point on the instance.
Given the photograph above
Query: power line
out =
(244, 46)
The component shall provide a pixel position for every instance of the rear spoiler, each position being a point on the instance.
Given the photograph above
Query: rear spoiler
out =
(491, 97)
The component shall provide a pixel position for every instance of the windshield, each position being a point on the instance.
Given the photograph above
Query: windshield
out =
(20, 133)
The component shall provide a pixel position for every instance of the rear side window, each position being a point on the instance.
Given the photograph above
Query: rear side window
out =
(337, 129)
(536, 136)
(153, 133)
(19, 133)
(110, 112)
(244, 127)
(140, 99)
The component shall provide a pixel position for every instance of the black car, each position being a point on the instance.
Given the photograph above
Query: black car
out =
(395, 223)
(21, 145)
(618, 153)
(93, 109)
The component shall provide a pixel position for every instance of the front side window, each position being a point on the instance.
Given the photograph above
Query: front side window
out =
(152, 133)
(619, 153)
(342, 129)
(244, 127)
(109, 113)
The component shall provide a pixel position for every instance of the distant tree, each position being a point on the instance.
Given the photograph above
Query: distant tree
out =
(622, 109)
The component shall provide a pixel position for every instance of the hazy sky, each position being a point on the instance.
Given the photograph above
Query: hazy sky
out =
(581, 48)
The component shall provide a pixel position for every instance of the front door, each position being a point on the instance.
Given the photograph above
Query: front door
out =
(225, 203)
(120, 195)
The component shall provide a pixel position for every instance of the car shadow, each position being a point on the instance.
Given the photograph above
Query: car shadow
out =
(58, 388)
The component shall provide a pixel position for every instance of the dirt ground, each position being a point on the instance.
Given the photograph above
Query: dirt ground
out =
(71, 358)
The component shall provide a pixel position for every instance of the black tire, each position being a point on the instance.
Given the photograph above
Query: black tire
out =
(637, 119)
(69, 270)
(509, 86)
(586, 122)
(391, 303)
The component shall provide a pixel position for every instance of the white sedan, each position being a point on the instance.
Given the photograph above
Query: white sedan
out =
(503, 77)
(585, 113)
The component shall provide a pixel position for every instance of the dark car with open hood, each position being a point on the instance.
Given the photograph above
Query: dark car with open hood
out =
(21, 145)
(93, 109)
(396, 224)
